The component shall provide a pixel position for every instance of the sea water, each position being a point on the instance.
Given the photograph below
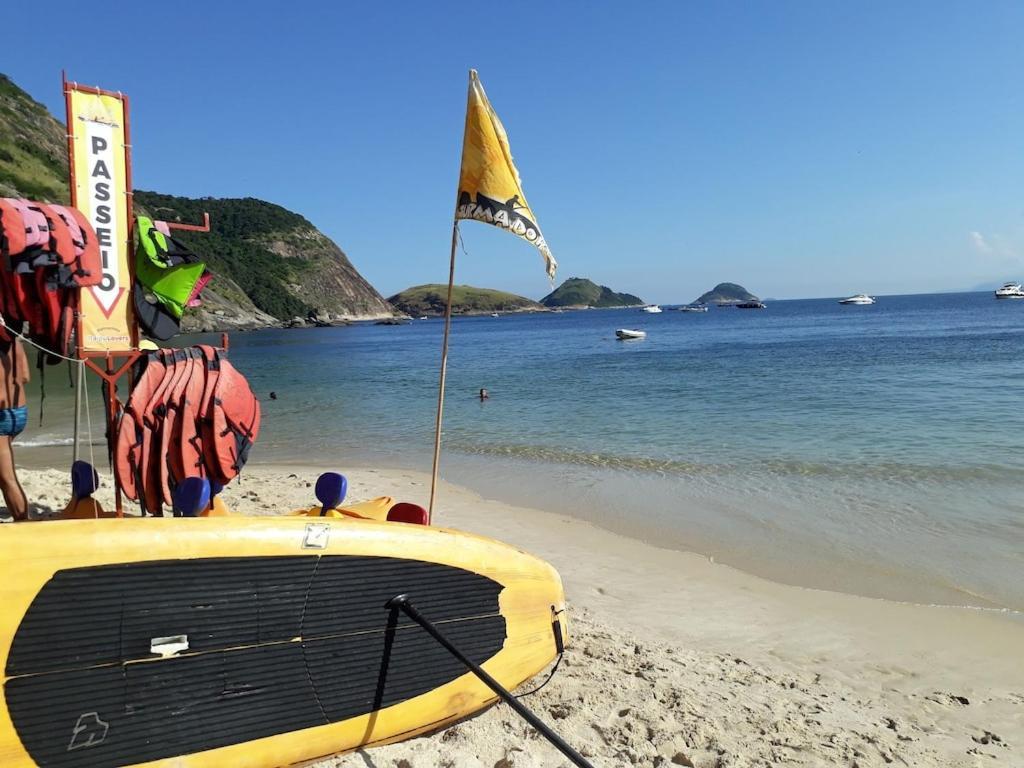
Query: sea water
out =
(875, 450)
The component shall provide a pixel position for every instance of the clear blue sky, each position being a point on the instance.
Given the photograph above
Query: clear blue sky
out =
(800, 148)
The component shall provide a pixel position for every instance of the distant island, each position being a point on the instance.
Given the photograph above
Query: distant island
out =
(726, 293)
(580, 292)
(466, 300)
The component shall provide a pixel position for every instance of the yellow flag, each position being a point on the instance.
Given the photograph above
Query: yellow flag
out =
(489, 186)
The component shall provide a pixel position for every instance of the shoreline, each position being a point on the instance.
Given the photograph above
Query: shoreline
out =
(707, 662)
(865, 581)
(715, 523)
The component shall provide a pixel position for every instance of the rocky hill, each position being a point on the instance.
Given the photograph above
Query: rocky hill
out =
(466, 300)
(271, 264)
(580, 292)
(280, 262)
(726, 293)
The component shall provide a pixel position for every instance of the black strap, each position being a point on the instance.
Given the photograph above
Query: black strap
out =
(172, 252)
(556, 629)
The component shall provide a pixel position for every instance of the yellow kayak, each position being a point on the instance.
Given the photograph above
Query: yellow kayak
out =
(252, 642)
(372, 509)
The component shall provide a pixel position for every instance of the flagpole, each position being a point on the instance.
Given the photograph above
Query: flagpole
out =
(444, 372)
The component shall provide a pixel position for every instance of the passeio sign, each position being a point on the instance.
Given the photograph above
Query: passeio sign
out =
(100, 169)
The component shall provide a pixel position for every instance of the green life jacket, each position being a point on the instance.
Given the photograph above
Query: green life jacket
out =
(166, 268)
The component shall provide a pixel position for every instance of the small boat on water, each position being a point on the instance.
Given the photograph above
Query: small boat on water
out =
(859, 299)
(694, 308)
(495, 314)
(627, 334)
(653, 309)
(1010, 291)
(751, 305)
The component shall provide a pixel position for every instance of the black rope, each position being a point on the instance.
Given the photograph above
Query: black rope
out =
(401, 602)
(556, 628)
(550, 677)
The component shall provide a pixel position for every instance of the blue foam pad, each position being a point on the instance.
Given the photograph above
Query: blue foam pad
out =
(216, 486)
(331, 488)
(191, 497)
(84, 480)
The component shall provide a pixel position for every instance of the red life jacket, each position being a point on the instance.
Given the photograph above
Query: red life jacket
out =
(12, 242)
(24, 281)
(36, 253)
(186, 452)
(153, 415)
(37, 232)
(43, 258)
(57, 302)
(61, 245)
(126, 465)
(48, 333)
(35, 221)
(173, 406)
(68, 318)
(24, 288)
(128, 443)
(87, 268)
(12, 229)
(235, 422)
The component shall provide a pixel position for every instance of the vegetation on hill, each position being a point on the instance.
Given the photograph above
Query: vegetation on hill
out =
(726, 293)
(430, 300)
(233, 246)
(33, 148)
(580, 292)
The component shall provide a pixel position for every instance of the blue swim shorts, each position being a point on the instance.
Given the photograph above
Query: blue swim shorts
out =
(13, 421)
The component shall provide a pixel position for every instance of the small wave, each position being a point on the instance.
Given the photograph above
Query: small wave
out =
(52, 442)
(587, 458)
(883, 471)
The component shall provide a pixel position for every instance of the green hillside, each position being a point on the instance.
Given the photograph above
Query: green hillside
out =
(580, 292)
(430, 300)
(33, 148)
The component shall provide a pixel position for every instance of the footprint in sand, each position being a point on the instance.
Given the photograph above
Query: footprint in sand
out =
(987, 737)
(948, 699)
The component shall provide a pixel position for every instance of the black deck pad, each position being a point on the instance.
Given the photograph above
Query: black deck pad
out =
(276, 644)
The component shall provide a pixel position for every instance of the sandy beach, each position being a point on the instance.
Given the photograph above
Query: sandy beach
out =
(676, 660)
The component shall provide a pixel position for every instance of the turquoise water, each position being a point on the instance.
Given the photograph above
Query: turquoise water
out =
(875, 450)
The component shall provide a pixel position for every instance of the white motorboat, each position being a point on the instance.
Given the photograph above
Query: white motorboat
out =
(1010, 291)
(694, 308)
(860, 298)
(626, 334)
(495, 314)
(653, 309)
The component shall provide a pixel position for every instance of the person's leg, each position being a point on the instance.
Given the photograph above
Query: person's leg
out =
(14, 494)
